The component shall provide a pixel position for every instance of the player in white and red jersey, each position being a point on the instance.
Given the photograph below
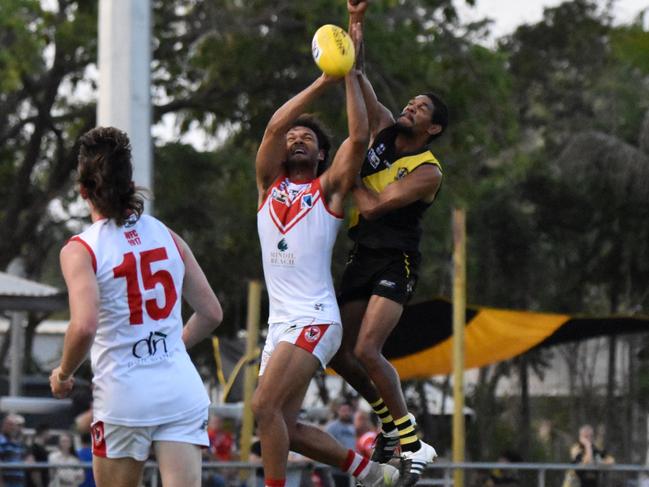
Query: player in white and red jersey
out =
(126, 275)
(300, 210)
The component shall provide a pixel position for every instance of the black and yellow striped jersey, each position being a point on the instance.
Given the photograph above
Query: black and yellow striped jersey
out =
(400, 228)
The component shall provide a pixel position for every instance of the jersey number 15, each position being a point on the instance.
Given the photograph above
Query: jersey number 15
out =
(128, 270)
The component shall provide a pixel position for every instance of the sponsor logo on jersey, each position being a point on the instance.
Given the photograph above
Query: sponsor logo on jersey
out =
(401, 173)
(279, 196)
(312, 334)
(373, 158)
(282, 258)
(318, 307)
(282, 245)
(132, 237)
(307, 201)
(131, 220)
(150, 347)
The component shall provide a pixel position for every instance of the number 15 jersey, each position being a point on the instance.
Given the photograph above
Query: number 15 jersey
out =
(143, 375)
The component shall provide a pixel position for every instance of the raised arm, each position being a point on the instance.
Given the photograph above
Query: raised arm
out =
(339, 179)
(379, 116)
(272, 151)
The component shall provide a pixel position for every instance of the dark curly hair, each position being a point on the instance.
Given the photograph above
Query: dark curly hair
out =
(310, 121)
(106, 173)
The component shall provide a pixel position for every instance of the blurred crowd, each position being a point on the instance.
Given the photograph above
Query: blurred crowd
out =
(67, 450)
(353, 426)
(64, 449)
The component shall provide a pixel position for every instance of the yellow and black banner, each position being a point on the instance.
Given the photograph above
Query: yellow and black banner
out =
(421, 344)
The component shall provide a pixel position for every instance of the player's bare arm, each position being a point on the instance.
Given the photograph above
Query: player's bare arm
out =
(421, 184)
(83, 293)
(339, 179)
(272, 151)
(379, 116)
(197, 291)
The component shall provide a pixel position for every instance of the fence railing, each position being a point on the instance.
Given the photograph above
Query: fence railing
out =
(437, 474)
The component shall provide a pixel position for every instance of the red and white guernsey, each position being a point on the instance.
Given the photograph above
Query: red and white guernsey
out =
(297, 232)
(143, 375)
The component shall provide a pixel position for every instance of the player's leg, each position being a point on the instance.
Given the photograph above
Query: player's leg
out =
(118, 454)
(286, 375)
(345, 363)
(395, 283)
(180, 463)
(317, 444)
(380, 318)
(117, 472)
(178, 448)
(355, 290)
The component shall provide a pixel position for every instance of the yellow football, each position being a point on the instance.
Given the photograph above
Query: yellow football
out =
(333, 50)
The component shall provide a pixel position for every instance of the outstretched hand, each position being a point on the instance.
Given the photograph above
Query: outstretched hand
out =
(357, 7)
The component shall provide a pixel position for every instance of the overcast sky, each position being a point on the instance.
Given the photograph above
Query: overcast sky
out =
(508, 14)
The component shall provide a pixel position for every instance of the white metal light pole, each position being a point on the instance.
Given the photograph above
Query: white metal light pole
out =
(125, 78)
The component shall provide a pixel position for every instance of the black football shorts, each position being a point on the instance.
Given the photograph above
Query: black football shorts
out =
(391, 273)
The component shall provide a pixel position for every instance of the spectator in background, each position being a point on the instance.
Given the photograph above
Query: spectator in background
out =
(584, 452)
(85, 455)
(220, 450)
(367, 427)
(13, 450)
(501, 477)
(221, 441)
(342, 429)
(39, 452)
(65, 454)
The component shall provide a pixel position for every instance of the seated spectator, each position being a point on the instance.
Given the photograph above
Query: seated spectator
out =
(65, 477)
(13, 450)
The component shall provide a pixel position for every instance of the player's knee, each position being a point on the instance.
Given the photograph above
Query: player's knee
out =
(366, 355)
(260, 407)
(295, 431)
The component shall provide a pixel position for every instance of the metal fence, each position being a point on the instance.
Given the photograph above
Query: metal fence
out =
(437, 474)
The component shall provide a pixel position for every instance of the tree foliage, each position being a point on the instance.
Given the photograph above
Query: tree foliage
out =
(547, 149)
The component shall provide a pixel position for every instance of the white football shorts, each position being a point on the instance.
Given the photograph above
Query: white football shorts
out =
(116, 441)
(320, 339)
